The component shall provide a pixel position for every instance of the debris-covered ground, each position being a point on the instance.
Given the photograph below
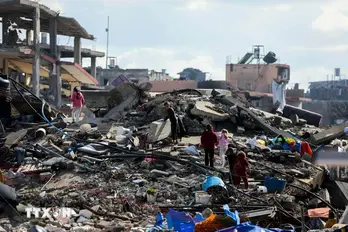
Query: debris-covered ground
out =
(117, 171)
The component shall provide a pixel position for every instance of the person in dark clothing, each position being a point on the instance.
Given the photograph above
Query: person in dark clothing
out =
(231, 157)
(209, 140)
(173, 121)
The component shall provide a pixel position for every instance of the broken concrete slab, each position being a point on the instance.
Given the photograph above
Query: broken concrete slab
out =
(326, 136)
(15, 137)
(124, 96)
(159, 130)
(205, 109)
(266, 126)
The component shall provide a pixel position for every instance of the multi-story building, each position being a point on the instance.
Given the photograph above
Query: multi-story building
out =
(106, 76)
(192, 74)
(159, 76)
(32, 59)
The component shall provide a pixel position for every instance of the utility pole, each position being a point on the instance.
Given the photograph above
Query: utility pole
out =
(107, 43)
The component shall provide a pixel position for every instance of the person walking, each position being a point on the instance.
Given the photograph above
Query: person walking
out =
(209, 140)
(231, 158)
(173, 121)
(223, 144)
(78, 101)
(241, 169)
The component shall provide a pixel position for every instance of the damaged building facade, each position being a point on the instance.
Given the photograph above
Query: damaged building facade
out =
(30, 59)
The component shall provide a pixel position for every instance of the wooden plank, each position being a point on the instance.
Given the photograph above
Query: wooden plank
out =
(15, 137)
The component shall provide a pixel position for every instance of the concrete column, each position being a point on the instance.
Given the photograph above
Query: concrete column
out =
(35, 78)
(4, 29)
(58, 81)
(94, 66)
(77, 50)
(29, 37)
(53, 37)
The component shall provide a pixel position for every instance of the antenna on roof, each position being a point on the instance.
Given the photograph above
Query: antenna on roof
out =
(107, 43)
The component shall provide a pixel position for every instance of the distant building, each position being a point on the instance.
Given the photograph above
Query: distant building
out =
(159, 76)
(106, 76)
(192, 74)
(329, 90)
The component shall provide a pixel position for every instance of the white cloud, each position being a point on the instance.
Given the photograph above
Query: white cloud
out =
(334, 17)
(283, 7)
(334, 48)
(195, 5)
(310, 74)
(137, 51)
(114, 2)
(277, 8)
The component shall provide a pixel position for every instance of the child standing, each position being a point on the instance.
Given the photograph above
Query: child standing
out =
(223, 143)
(78, 101)
(241, 169)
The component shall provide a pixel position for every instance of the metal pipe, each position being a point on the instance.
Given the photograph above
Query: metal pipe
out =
(56, 154)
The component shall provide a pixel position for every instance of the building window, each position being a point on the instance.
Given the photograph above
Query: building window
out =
(106, 81)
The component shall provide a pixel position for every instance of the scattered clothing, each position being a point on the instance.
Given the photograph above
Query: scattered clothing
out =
(305, 148)
(330, 222)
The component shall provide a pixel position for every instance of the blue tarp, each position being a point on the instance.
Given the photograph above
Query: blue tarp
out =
(248, 227)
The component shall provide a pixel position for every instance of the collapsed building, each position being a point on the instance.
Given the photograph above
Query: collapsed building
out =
(117, 171)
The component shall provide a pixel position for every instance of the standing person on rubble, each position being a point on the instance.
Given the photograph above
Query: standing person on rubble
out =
(241, 170)
(173, 121)
(209, 140)
(223, 144)
(78, 101)
(231, 158)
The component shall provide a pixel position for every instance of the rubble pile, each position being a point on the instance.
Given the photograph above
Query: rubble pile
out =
(120, 171)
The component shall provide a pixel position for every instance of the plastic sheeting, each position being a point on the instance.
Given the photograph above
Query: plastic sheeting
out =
(192, 150)
(278, 91)
(248, 227)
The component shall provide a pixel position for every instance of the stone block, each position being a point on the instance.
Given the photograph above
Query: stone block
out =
(159, 130)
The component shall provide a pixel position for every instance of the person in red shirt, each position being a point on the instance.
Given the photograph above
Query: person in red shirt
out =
(241, 169)
(209, 140)
(78, 101)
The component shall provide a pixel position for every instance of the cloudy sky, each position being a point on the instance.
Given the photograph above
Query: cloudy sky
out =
(309, 35)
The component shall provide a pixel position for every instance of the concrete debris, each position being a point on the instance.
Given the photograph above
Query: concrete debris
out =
(120, 171)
